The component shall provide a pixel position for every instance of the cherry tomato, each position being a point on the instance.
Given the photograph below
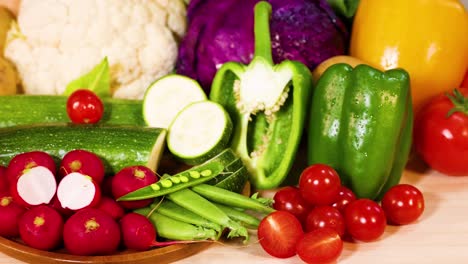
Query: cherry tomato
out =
(442, 141)
(319, 184)
(345, 196)
(84, 107)
(365, 220)
(321, 245)
(325, 216)
(278, 234)
(403, 204)
(289, 199)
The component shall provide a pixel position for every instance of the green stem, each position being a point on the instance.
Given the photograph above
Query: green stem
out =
(262, 31)
(460, 103)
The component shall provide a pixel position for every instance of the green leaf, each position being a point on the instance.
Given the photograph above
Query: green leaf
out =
(97, 80)
(346, 8)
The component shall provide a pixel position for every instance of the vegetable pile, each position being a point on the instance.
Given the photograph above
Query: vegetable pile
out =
(250, 103)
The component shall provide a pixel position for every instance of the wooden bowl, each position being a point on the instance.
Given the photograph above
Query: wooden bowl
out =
(168, 254)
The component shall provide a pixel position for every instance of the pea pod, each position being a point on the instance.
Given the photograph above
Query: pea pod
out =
(184, 179)
(361, 125)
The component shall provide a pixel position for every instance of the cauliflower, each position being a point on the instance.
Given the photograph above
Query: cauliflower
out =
(57, 41)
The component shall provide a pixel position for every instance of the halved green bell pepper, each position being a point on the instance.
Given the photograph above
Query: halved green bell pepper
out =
(361, 124)
(267, 104)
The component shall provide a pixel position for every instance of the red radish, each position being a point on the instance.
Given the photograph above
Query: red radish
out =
(111, 207)
(138, 233)
(84, 162)
(106, 186)
(35, 186)
(91, 232)
(20, 163)
(77, 191)
(10, 212)
(3, 179)
(65, 212)
(41, 227)
(130, 179)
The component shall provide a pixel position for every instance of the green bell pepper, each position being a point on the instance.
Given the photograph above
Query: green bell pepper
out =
(267, 104)
(361, 124)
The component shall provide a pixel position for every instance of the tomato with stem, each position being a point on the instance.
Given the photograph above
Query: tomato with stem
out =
(441, 133)
(403, 204)
(278, 234)
(84, 107)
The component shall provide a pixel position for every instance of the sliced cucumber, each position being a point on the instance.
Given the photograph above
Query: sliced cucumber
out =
(199, 132)
(167, 96)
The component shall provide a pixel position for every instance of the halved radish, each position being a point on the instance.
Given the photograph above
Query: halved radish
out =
(84, 162)
(77, 191)
(35, 186)
(20, 163)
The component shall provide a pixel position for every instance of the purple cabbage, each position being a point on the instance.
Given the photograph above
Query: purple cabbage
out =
(222, 30)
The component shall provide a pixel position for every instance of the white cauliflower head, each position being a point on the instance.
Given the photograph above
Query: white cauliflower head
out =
(60, 40)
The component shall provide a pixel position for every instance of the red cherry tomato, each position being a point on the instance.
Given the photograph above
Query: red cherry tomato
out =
(403, 204)
(84, 107)
(442, 141)
(322, 245)
(345, 196)
(278, 234)
(319, 184)
(325, 216)
(289, 199)
(365, 220)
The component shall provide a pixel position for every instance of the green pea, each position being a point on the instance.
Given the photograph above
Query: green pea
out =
(194, 174)
(175, 179)
(155, 186)
(166, 183)
(183, 178)
(206, 173)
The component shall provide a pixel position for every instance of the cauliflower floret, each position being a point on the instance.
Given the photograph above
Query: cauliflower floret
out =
(60, 40)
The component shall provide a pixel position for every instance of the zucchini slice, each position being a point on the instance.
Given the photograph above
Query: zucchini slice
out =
(199, 132)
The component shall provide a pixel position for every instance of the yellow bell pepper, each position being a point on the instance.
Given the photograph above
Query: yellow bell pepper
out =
(428, 38)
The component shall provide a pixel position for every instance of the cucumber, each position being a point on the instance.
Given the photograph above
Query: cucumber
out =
(167, 96)
(30, 109)
(118, 146)
(199, 132)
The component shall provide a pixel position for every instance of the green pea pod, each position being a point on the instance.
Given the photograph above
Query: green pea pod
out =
(361, 125)
(267, 103)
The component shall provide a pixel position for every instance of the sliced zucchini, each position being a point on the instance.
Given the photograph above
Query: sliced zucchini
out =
(199, 132)
(167, 96)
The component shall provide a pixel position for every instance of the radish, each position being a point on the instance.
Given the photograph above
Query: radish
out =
(55, 204)
(20, 163)
(130, 179)
(84, 162)
(10, 212)
(106, 186)
(35, 186)
(3, 180)
(77, 191)
(138, 233)
(41, 227)
(91, 232)
(111, 207)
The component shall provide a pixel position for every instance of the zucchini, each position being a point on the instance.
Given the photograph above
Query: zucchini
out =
(30, 109)
(199, 132)
(167, 96)
(118, 146)
(233, 181)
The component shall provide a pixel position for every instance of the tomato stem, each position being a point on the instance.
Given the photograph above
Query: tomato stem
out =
(460, 103)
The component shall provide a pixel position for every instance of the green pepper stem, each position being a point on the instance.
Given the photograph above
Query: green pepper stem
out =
(262, 12)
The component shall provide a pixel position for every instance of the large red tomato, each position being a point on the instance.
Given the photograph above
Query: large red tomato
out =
(441, 133)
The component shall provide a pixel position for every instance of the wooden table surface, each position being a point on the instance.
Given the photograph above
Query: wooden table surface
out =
(440, 235)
